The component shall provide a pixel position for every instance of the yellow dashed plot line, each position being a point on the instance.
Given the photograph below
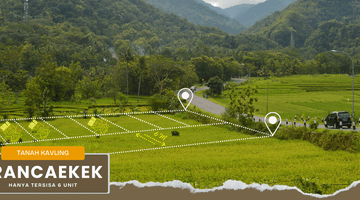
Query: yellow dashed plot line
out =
(162, 143)
(138, 135)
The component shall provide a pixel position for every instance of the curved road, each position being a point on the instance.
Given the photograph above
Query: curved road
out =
(217, 109)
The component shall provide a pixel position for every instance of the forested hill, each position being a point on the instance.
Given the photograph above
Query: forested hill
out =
(198, 13)
(320, 24)
(261, 10)
(82, 31)
(231, 11)
(118, 22)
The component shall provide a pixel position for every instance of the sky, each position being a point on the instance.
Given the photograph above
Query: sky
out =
(229, 3)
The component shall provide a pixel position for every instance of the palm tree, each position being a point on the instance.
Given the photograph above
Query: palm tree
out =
(142, 67)
(128, 57)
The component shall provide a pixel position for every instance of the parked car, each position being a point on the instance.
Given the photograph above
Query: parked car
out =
(193, 88)
(334, 119)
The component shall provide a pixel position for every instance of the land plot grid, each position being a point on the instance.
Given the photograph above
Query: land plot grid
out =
(153, 128)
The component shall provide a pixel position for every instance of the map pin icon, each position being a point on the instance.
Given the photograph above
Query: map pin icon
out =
(273, 119)
(186, 94)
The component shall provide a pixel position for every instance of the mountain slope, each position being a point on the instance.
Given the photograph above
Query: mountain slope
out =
(238, 9)
(231, 11)
(261, 10)
(198, 13)
(127, 19)
(216, 9)
(309, 21)
(78, 30)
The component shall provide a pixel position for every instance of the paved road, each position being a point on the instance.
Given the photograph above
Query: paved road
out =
(217, 109)
(207, 105)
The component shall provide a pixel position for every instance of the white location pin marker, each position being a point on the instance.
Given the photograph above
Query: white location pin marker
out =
(185, 93)
(272, 120)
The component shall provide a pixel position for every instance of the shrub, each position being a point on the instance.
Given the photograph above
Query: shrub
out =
(95, 111)
(289, 133)
(134, 108)
(328, 141)
(123, 98)
(20, 140)
(356, 145)
(157, 103)
(307, 186)
(215, 84)
(175, 133)
(85, 113)
(313, 125)
(92, 100)
(166, 100)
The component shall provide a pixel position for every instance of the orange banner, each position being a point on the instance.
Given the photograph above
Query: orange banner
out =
(43, 153)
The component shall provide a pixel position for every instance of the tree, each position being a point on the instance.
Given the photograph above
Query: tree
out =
(188, 77)
(4, 96)
(17, 81)
(142, 67)
(88, 88)
(166, 100)
(45, 98)
(166, 52)
(33, 98)
(111, 86)
(31, 58)
(121, 46)
(128, 57)
(206, 67)
(58, 80)
(164, 71)
(215, 84)
(241, 103)
(10, 58)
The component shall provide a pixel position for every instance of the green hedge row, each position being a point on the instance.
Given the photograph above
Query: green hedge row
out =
(326, 139)
(331, 141)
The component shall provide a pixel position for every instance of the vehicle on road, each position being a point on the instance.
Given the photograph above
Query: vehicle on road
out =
(193, 88)
(334, 119)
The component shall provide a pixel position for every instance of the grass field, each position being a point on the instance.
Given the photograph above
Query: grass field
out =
(192, 157)
(314, 96)
(260, 160)
(103, 105)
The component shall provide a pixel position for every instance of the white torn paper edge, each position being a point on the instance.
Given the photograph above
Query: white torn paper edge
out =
(228, 185)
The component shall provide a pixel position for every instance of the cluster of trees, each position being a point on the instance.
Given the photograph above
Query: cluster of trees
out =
(289, 62)
(146, 75)
(62, 52)
(261, 10)
(322, 25)
(25, 44)
(272, 63)
(199, 13)
(225, 68)
(115, 23)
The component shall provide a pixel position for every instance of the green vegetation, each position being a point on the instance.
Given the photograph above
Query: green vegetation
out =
(314, 25)
(266, 160)
(230, 11)
(100, 106)
(104, 57)
(216, 85)
(241, 104)
(261, 10)
(328, 140)
(197, 13)
(312, 95)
